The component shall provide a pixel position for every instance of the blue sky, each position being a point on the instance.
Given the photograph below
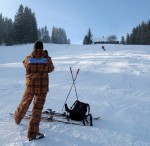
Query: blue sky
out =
(104, 17)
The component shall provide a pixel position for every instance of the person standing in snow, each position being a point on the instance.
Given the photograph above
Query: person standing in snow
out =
(103, 48)
(37, 65)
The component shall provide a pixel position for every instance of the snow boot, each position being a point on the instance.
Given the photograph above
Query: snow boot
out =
(37, 137)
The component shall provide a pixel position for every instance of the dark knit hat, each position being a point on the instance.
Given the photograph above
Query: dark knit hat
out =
(38, 45)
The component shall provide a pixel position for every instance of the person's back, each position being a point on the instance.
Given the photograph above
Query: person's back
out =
(37, 71)
(38, 64)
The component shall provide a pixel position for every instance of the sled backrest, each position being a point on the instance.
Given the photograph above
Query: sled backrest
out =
(79, 110)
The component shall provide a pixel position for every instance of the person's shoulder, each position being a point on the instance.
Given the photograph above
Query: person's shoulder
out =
(49, 60)
(48, 57)
(27, 57)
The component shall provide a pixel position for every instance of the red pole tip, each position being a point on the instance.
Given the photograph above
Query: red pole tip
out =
(70, 70)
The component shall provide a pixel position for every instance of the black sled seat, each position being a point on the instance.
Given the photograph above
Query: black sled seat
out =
(79, 111)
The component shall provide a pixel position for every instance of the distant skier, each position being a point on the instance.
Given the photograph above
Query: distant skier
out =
(103, 48)
(37, 65)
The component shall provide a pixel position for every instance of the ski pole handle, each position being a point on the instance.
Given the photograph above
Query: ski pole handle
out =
(76, 74)
(77, 71)
(70, 70)
(71, 74)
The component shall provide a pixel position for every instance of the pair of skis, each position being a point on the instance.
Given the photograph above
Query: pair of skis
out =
(52, 116)
(51, 112)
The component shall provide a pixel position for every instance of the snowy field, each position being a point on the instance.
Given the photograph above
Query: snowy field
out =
(115, 82)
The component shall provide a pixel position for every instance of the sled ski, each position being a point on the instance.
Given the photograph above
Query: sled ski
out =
(50, 112)
(57, 118)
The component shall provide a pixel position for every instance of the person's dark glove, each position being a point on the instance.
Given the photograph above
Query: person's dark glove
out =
(46, 52)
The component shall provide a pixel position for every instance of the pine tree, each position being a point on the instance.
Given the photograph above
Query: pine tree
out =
(85, 40)
(34, 28)
(138, 36)
(63, 36)
(54, 35)
(88, 38)
(148, 33)
(59, 36)
(122, 40)
(68, 41)
(128, 41)
(144, 34)
(1, 28)
(25, 26)
(133, 36)
(8, 31)
(18, 25)
(89, 35)
(44, 35)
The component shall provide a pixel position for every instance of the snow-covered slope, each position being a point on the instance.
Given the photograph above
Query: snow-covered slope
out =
(115, 82)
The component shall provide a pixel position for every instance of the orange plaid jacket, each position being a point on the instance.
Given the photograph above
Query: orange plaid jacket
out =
(37, 79)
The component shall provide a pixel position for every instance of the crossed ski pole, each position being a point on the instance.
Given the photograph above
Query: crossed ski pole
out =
(73, 84)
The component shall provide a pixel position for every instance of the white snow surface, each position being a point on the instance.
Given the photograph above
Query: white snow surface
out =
(115, 82)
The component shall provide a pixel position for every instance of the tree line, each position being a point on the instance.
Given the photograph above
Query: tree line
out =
(24, 30)
(6, 29)
(140, 35)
